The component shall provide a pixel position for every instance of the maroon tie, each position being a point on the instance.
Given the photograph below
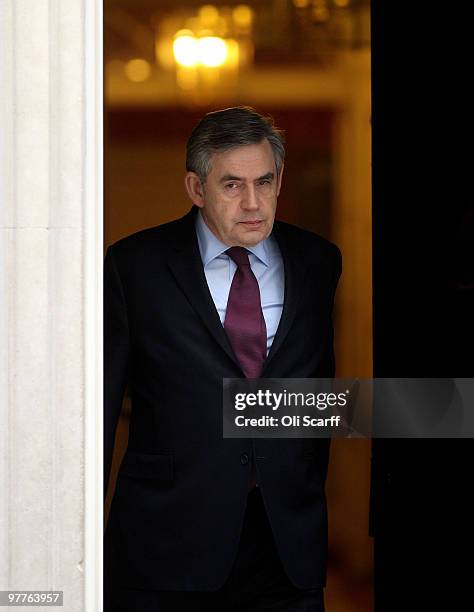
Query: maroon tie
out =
(244, 323)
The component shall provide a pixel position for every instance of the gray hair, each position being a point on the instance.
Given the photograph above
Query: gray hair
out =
(225, 129)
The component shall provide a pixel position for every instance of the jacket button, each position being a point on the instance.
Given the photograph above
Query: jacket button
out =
(244, 458)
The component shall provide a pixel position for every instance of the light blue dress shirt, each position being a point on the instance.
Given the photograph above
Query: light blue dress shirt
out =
(266, 263)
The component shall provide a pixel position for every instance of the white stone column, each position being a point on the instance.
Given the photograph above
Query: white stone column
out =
(50, 299)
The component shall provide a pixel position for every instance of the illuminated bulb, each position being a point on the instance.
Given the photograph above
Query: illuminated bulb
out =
(208, 15)
(212, 51)
(137, 70)
(242, 15)
(341, 3)
(185, 49)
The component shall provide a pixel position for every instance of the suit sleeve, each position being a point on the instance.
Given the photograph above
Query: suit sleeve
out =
(116, 355)
(328, 367)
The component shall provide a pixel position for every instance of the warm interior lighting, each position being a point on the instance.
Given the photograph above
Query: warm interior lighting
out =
(185, 48)
(212, 51)
(242, 15)
(137, 70)
(301, 3)
(208, 15)
(320, 11)
(209, 51)
(164, 52)
(233, 54)
(186, 78)
(341, 3)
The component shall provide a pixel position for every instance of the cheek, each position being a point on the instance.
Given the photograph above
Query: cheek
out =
(269, 198)
(218, 214)
(225, 219)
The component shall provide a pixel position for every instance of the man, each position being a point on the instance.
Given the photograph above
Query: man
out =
(199, 522)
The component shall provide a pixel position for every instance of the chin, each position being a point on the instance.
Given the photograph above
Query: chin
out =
(252, 239)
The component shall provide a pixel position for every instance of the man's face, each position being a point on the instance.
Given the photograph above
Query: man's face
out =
(238, 200)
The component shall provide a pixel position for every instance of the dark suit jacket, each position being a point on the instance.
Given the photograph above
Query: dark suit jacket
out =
(180, 498)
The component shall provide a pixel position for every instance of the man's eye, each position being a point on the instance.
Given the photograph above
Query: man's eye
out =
(232, 186)
(264, 182)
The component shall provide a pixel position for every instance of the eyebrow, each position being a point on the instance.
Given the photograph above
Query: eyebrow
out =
(231, 177)
(268, 175)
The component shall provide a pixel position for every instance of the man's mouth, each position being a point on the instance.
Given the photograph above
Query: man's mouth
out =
(253, 223)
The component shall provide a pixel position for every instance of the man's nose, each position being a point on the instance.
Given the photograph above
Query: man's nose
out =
(250, 199)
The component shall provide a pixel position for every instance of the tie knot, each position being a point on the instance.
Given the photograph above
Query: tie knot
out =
(239, 255)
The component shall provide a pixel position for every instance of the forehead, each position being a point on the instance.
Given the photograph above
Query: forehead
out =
(244, 161)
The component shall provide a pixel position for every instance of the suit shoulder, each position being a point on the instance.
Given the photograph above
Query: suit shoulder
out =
(311, 241)
(138, 242)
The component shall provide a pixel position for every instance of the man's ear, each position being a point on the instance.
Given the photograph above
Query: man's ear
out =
(194, 188)
(280, 176)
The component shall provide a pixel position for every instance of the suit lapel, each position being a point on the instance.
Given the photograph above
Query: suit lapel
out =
(295, 270)
(186, 265)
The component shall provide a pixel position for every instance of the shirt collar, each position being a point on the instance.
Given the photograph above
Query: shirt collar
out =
(211, 247)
